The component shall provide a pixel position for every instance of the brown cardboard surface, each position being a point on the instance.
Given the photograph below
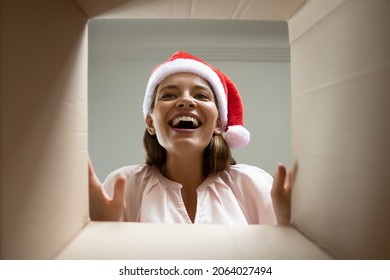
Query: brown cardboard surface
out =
(43, 129)
(312, 14)
(93, 8)
(345, 121)
(2, 69)
(348, 43)
(244, 9)
(274, 242)
(344, 218)
(340, 67)
(158, 241)
(340, 140)
(340, 62)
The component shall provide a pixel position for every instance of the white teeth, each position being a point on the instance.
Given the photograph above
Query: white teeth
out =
(176, 121)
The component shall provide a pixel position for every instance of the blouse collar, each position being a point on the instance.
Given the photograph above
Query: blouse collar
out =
(156, 173)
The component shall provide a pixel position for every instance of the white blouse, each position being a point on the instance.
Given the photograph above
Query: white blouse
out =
(238, 195)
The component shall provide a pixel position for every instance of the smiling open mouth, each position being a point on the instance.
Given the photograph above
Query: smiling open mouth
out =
(185, 122)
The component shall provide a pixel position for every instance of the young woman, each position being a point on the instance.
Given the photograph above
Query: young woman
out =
(193, 115)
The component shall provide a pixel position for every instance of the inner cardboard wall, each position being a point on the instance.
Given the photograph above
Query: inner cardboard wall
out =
(44, 127)
(340, 66)
(43, 110)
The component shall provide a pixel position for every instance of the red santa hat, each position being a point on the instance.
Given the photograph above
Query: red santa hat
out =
(229, 101)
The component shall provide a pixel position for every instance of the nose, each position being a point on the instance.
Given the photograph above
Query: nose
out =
(186, 102)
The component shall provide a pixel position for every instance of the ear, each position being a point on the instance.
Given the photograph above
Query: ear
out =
(218, 127)
(149, 125)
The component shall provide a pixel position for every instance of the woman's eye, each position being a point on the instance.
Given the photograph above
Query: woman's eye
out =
(167, 96)
(202, 96)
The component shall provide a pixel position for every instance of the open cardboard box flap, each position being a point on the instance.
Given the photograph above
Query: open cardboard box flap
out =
(159, 241)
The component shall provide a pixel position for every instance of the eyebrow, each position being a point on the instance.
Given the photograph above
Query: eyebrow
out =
(168, 87)
(197, 87)
(203, 88)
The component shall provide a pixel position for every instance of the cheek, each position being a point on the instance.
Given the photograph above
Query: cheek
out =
(158, 123)
(213, 115)
(159, 114)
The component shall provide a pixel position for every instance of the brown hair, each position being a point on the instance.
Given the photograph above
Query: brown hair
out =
(217, 155)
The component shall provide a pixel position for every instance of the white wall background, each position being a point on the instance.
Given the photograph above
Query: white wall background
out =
(122, 54)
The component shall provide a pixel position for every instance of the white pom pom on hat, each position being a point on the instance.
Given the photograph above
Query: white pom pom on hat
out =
(229, 101)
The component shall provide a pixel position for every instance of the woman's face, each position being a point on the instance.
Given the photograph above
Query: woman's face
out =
(185, 115)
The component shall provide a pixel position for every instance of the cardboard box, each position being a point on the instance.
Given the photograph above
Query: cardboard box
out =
(339, 69)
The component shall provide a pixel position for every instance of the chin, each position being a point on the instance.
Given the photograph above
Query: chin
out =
(189, 144)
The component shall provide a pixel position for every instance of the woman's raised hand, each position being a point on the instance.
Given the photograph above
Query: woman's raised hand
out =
(101, 206)
(281, 193)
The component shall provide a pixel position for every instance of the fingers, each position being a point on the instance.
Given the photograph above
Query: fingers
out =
(288, 182)
(291, 177)
(279, 178)
(94, 182)
(281, 193)
(119, 190)
(91, 171)
(282, 169)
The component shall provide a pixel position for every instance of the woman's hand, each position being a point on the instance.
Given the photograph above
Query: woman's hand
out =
(101, 206)
(281, 193)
